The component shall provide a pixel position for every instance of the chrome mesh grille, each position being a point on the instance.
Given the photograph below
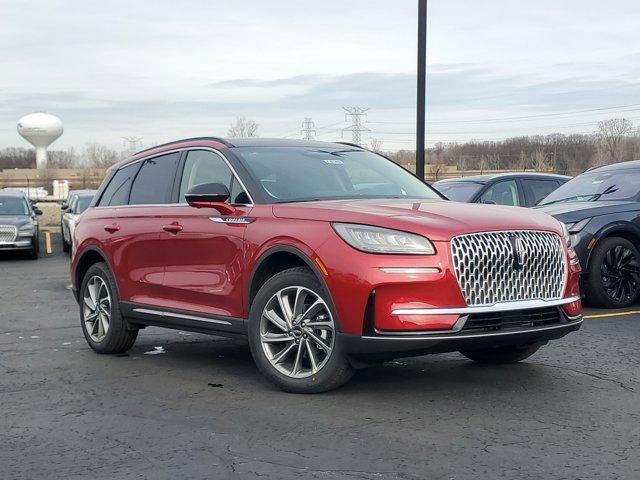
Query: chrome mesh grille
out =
(8, 233)
(488, 273)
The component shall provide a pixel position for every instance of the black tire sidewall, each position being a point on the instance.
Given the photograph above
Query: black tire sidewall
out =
(597, 294)
(333, 374)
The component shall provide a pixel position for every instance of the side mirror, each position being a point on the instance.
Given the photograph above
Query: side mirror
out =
(37, 211)
(64, 207)
(210, 195)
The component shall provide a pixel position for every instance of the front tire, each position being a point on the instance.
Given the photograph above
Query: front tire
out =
(293, 334)
(103, 325)
(501, 355)
(34, 253)
(614, 274)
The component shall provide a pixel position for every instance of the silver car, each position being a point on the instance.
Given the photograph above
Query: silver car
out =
(79, 201)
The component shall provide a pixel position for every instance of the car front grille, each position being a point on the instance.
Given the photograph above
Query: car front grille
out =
(499, 321)
(8, 233)
(509, 266)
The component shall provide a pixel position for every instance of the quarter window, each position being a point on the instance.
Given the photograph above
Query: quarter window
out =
(117, 191)
(154, 182)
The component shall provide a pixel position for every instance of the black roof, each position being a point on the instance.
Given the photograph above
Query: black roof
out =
(284, 142)
(261, 142)
(488, 177)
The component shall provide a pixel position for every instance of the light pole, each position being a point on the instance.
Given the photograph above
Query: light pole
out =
(422, 75)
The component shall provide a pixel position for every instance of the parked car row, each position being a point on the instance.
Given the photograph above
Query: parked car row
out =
(601, 209)
(327, 256)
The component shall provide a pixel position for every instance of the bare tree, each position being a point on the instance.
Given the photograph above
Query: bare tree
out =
(375, 144)
(95, 155)
(540, 161)
(613, 133)
(243, 128)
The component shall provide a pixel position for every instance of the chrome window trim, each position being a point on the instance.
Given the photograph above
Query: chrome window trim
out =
(496, 307)
(183, 149)
(162, 313)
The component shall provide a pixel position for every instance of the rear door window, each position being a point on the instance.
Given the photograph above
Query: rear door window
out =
(537, 189)
(154, 182)
(504, 192)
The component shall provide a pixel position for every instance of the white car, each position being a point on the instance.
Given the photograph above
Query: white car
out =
(78, 202)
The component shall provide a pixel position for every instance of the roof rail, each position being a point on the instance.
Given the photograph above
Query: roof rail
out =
(215, 139)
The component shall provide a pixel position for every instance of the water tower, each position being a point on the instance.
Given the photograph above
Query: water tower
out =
(40, 130)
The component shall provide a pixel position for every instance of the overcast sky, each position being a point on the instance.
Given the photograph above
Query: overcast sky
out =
(164, 70)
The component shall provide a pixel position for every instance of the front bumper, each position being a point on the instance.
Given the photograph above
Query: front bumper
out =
(20, 244)
(406, 345)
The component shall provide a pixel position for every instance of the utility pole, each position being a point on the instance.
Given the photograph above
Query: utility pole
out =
(308, 129)
(422, 76)
(357, 114)
(132, 144)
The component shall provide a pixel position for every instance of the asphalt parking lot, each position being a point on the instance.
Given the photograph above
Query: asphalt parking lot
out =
(188, 406)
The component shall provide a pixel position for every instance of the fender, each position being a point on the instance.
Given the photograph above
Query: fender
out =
(302, 256)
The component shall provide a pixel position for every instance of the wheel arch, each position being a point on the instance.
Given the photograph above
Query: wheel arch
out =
(277, 259)
(90, 256)
(622, 229)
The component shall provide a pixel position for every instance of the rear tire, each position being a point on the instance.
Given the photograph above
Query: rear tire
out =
(65, 245)
(614, 274)
(501, 355)
(299, 349)
(103, 325)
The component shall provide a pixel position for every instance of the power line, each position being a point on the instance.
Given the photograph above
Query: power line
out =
(357, 114)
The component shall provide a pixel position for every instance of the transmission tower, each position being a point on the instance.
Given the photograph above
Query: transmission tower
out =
(308, 129)
(132, 144)
(358, 116)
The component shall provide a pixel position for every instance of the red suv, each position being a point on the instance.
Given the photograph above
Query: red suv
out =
(328, 256)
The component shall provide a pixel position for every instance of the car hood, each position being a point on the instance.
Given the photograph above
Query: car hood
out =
(569, 212)
(440, 220)
(16, 220)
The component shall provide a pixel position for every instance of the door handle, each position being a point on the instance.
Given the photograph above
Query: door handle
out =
(113, 228)
(174, 228)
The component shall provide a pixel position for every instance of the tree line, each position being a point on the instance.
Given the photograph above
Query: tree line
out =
(616, 140)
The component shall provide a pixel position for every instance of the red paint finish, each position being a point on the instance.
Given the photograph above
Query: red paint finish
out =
(177, 256)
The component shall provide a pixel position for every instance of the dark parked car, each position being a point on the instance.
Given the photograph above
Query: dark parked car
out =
(327, 256)
(524, 189)
(18, 224)
(601, 209)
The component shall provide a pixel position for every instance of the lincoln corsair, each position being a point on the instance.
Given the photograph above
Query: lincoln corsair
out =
(327, 256)
(19, 224)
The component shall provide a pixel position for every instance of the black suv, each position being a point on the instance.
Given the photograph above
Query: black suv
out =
(601, 209)
(518, 189)
(18, 224)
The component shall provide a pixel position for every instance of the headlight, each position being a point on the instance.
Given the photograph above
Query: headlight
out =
(26, 229)
(577, 226)
(383, 240)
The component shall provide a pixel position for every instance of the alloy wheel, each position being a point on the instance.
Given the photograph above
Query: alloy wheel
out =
(297, 332)
(620, 273)
(96, 308)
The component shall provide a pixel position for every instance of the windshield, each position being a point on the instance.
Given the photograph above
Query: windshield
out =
(458, 191)
(13, 206)
(288, 174)
(598, 185)
(82, 204)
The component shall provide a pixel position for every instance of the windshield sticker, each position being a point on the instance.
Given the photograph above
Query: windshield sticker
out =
(333, 162)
